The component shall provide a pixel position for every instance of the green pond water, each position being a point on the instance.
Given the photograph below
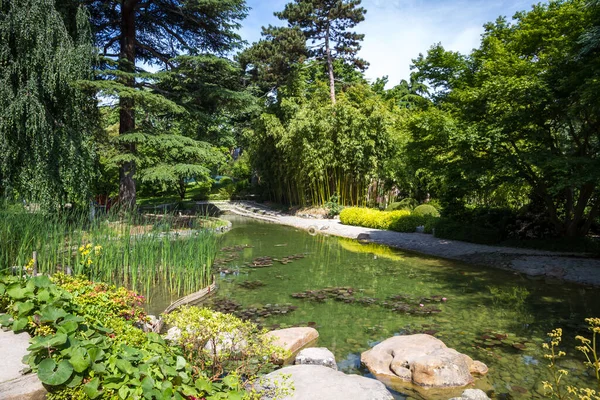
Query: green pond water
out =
(498, 317)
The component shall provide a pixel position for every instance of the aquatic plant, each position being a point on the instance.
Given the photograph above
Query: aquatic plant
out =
(116, 249)
(254, 314)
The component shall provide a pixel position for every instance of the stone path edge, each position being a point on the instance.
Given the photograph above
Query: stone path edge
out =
(572, 267)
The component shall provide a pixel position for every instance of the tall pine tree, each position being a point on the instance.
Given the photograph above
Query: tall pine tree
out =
(154, 32)
(327, 24)
(46, 120)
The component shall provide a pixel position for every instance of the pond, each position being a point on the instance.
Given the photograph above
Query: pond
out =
(498, 317)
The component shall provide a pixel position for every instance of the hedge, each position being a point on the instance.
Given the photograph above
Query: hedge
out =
(400, 221)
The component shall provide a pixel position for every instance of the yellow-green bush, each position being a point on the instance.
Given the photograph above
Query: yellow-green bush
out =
(370, 218)
(426, 210)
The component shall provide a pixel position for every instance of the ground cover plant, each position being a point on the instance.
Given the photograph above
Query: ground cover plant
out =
(86, 343)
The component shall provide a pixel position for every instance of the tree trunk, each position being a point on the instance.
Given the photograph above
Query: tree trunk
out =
(330, 68)
(127, 192)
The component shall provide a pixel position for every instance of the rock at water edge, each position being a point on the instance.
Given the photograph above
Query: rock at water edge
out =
(316, 356)
(316, 382)
(422, 360)
(293, 339)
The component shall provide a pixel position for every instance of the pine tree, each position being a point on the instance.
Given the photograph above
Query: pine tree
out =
(326, 24)
(154, 32)
(46, 120)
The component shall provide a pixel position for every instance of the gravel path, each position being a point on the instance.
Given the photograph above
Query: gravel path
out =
(571, 267)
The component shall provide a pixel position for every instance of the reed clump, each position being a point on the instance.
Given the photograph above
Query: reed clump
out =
(141, 252)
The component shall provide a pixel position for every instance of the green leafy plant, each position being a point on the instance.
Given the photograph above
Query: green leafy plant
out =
(404, 204)
(333, 207)
(407, 223)
(217, 342)
(86, 343)
(555, 389)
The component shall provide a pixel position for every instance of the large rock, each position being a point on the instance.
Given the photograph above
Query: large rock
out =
(13, 384)
(293, 339)
(316, 356)
(315, 382)
(421, 360)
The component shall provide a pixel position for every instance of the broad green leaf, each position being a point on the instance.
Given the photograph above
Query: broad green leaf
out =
(181, 363)
(41, 281)
(125, 366)
(91, 388)
(67, 327)
(2, 289)
(17, 292)
(5, 319)
(124, 392)
(80, 359)
(204, 385)
(75, 381)
(43, 296)
(54, 374)
(24, 308)
(20, 324)
(52, 314)
(147, 384)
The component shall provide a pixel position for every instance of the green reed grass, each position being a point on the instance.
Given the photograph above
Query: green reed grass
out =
(141, 252)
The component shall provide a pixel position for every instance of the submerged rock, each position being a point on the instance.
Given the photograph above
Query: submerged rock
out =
(312, 382)
(421, 360)
(293, 339)
(316, 356)
(472, 394)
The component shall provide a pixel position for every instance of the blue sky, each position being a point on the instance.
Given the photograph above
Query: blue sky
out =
(396, 31)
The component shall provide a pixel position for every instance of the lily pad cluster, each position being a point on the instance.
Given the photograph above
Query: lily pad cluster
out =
(261, 262)
(344, 294)
(254, 314)
(267, 261)
(490, 339)
(229, 254)
(406, 304)
(399, 303)
(251, 284)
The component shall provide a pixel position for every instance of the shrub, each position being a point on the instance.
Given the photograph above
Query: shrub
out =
(426, 209)
(430, 224)
(370, 218)
(333, 207)
(407, 223)
(404, 204)
(217, 342)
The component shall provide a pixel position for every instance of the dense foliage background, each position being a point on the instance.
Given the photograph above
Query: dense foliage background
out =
(511, 129)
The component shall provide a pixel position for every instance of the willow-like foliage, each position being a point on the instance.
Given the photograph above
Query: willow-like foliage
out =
(46, 120)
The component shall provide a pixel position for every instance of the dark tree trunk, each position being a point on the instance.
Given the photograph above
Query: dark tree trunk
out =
(181, 189)
(127, 114)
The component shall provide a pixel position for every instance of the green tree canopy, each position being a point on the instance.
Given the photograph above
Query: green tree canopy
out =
(154, 32)
(523, 110)
(46, 121)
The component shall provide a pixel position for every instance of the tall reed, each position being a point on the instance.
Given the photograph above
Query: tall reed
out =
(140, 252)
